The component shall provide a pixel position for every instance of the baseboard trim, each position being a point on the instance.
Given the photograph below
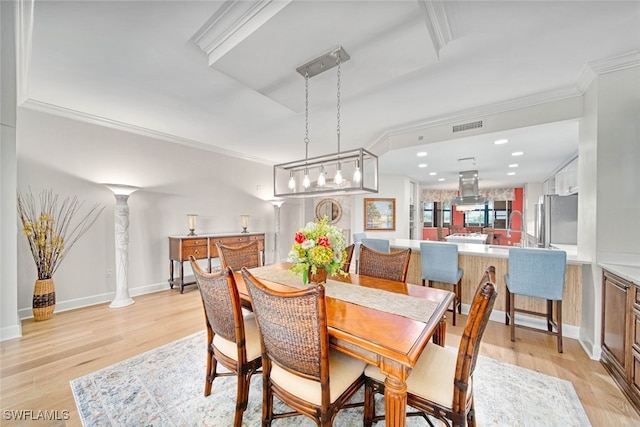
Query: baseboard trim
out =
(27, 313)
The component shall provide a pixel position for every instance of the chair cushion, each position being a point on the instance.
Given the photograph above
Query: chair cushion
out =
(344, 370)
(431, 378)
(252, 339)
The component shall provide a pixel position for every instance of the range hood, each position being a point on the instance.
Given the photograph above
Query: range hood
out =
(468, 183)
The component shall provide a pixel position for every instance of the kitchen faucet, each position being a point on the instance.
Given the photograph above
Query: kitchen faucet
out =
(510, 222)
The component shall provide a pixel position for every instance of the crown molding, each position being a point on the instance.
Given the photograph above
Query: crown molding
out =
(477, 113)
(23, 33)
(607, 65)
(138, 130)
(435, 18)
(233, 22)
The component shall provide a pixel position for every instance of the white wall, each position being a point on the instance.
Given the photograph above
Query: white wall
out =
(75, 158)
(9, 323)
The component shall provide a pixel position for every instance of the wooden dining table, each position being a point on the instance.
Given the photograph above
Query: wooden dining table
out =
(393, 342)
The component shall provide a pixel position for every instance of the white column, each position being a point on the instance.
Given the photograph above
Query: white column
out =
(121, 223)
(276, 210)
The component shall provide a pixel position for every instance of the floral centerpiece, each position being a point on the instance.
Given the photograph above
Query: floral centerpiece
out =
(50, 235)
(318, 246)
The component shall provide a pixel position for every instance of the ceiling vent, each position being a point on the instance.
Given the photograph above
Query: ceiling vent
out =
(468, 183)
(468, 126)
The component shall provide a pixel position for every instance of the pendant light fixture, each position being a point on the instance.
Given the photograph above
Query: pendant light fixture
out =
(294, 179)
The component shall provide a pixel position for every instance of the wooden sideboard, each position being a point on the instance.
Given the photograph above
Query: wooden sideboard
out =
(203, 247)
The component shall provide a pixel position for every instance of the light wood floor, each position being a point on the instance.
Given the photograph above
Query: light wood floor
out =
(36, 369)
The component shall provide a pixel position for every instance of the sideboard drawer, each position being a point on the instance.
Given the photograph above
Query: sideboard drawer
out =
(198, 252)
(186, 243)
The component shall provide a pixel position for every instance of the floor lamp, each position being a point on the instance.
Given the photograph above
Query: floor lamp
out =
(276, 210)
(121, 222)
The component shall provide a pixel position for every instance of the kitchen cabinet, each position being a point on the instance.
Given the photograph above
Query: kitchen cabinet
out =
(566, 181)
(621, 333)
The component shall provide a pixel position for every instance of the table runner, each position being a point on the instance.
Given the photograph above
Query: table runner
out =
(391, 302)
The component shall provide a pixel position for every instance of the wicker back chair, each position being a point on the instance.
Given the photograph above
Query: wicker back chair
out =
(237, 257)
(347, 264)
(232, 340)
(440, 383)
(390, 266)
(296, 354)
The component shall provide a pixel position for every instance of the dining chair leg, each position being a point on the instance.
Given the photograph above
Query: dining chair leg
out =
(549, 315)
(212, 363)
(241, 399)
(459, 292)
(369, 404)
(471, 416)
(267, 402)
(512, 312)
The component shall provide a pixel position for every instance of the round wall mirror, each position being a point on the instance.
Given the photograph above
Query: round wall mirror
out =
(331, 208)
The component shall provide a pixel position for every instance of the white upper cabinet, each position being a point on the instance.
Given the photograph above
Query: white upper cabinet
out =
(567, 179)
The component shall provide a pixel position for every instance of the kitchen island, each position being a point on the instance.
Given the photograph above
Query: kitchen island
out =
(474, 260)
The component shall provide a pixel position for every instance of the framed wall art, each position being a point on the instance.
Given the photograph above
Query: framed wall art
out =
(380, 214)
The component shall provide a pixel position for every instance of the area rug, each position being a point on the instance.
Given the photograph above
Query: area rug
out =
(164, 387)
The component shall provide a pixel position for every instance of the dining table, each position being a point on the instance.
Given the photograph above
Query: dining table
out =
(383, 322)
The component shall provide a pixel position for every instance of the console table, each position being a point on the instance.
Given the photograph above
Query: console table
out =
(203, 247)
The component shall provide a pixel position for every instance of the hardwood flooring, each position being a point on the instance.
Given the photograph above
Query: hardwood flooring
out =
(35, 369)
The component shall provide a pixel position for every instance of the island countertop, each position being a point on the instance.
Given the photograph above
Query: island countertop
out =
(475, 258)
(493, 251)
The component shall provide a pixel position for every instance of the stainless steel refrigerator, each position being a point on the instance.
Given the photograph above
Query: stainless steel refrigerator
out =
(556, 220)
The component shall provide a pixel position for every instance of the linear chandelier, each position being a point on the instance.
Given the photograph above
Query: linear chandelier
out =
(344, 172)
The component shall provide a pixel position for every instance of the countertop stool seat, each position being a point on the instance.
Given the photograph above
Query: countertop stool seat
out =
(440, 264)
(537, 273)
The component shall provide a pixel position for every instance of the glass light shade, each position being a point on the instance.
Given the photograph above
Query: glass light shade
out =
(121, 190)
(358, 162)
(244, 220)
(192, 223)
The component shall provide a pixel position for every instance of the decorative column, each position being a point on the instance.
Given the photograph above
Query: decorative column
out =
(276, 210)
(121, 222)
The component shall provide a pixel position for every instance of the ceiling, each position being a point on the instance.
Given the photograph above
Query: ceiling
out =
(222, 76)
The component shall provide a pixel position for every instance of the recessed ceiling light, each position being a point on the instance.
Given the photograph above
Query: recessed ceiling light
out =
(422, 165)
(513, 165)
(501, 141)
(440, 179)
(433, 173)
(511, 173)
(421, 154)
(517, 153)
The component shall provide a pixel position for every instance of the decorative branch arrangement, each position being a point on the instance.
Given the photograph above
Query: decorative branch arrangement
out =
(49, 230)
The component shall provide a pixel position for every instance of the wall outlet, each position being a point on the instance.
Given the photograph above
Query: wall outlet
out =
(109, 272)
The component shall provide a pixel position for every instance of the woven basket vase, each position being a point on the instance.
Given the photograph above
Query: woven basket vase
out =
(319, 277)
(44, 299)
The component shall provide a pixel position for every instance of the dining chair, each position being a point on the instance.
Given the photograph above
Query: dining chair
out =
(357, 240)
(390, 266)
(299, 367)
(440, 385)
(347, 263)
(237, 257)
(538, 273)
(439, 263)
(233, 339)
(380, 245)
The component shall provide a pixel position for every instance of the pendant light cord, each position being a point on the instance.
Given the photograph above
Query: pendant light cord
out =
(339, 61)
(306, 115)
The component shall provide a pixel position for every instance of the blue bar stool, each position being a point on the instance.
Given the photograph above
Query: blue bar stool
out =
(536, 273)
(357, 240)
(380, 245)
(440, 264)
